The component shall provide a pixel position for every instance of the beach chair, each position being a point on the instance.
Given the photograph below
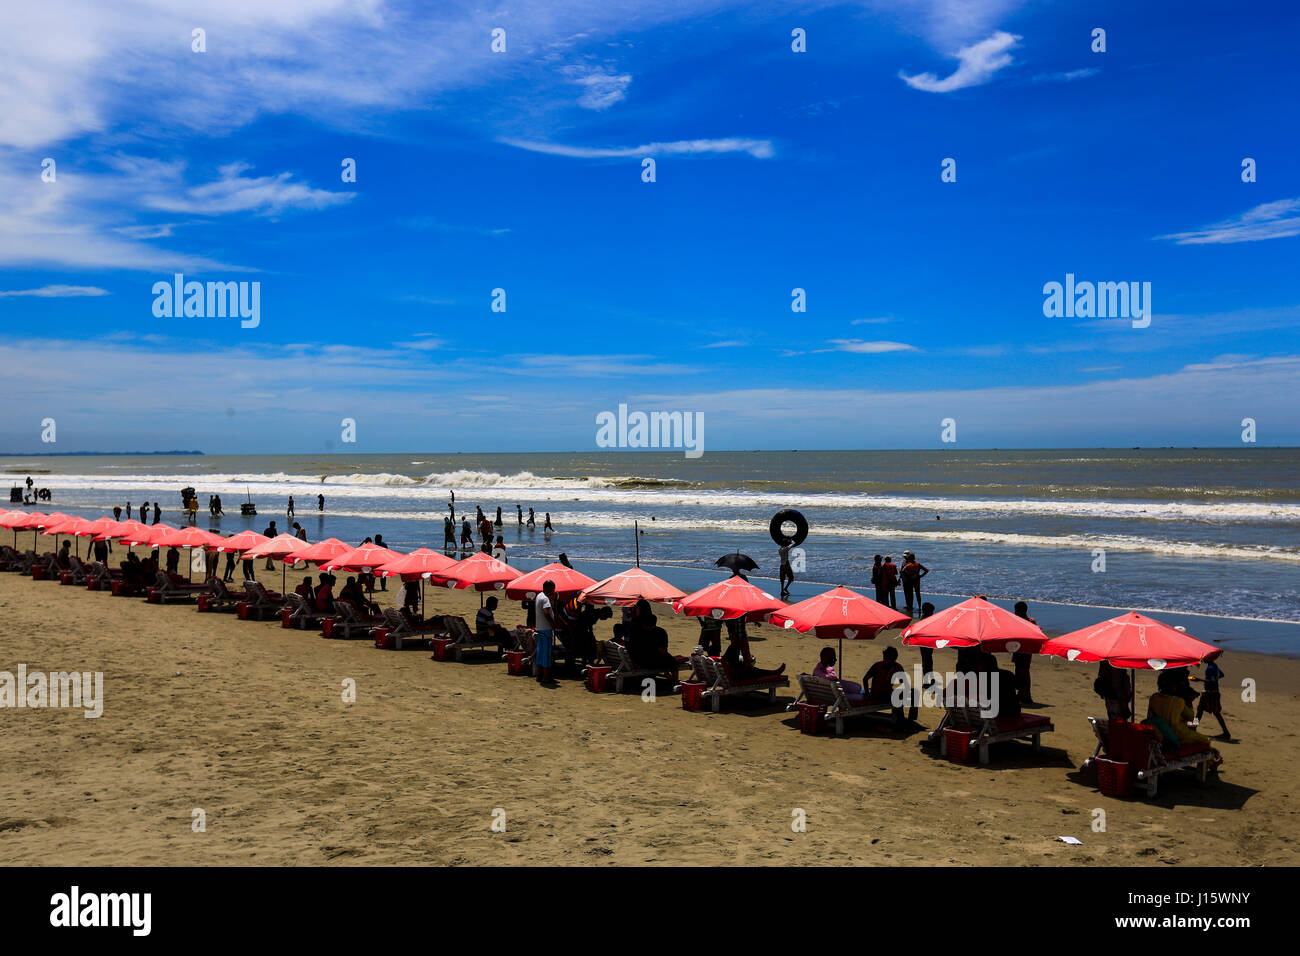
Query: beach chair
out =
(993, 730)
(168, 589)
(9, 558)
(465, 639)
(624, 668)
(100, 577)
(714, 673)
(76, 572)
(402, 629)
(830, 696)
(224, 599)
(349, 622)
(261, 602)
(1144, 747)
(301, 614)
(1099, 727)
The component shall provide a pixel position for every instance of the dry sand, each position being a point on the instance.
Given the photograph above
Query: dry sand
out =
(246, 721)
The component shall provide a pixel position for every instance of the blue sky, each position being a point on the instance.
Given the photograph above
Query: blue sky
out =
(522, 170)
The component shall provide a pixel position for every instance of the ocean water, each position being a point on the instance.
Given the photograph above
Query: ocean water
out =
(1206, 533)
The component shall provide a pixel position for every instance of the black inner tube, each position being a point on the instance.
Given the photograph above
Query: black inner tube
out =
(800, 528)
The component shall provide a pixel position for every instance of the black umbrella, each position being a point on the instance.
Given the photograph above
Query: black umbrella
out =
(736, 562)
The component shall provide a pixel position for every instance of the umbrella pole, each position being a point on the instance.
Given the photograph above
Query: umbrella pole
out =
(636, 534)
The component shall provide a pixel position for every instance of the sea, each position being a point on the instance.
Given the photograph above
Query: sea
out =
(1203, 538)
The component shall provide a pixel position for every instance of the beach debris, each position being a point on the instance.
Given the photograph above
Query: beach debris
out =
(1070, 840)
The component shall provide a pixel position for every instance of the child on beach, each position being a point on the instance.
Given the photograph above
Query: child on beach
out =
(1210, 702)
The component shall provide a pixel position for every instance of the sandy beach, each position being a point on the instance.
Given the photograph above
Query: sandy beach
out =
(246, 721)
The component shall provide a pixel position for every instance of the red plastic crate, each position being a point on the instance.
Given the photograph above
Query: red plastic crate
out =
(693, 694)
(959, 742)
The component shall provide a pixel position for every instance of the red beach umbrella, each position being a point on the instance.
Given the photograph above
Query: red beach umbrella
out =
(839, 613)
(12, 520)
(627, 587)
(244, 541)
(976, 623)
(568, 583)
(282, 546)
(1132, 640)
(479, 571)
(366, 559)
(322, 551)
(728, 600)
(189, 537)
(421, 563)
(149, 536)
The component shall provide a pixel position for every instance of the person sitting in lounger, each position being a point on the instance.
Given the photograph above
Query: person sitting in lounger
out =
(173, 560)
(486, 626)
(352, 592)
(648, 647)
(64, 557)
(325, 594)
(1114, 686)
(739, 659)
(305, 589)
(1172, 710)
(826, 668)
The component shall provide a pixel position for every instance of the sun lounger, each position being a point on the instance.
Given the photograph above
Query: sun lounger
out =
(167, 589)
(464, 639)
(349, 622)
(76, 571)
(992, 730)
(301, 614)
(261, 602)
(401, 629)
(713, 672)
(829, 694)
(224, 599)
(1143, 746)
(9, 558)
(624, 668)
(100, 577)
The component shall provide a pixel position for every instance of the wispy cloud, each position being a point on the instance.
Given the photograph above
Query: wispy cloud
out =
(233, 192)
(758, 148)
(1067, 77)
(727, 344)
(978, 63)
(1272, 220)
(55, 292)
(871, 348)
(600, 88)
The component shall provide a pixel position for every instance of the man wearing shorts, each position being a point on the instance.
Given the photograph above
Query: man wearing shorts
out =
(1209, 702)
(545, 611)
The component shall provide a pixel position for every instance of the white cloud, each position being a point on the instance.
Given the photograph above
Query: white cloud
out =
(1067, 77)
(233, 192)
(871, 348)
(727, 344)
(600, 89)
(55, 292)
(758, 148)
(1272, 220)
(978, 63)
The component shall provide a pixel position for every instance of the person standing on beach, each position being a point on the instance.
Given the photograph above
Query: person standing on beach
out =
(270, 531)
(1022, 660)
(519, 514)
(157, 513)
(129, 512)
(876, 581)
(448, 533)
(911, 573)
(289, 510)
(547, 526)
(927, 661)
(144, 513)
(545, 611)
(320, 502)
(229, 574)
(299, 532)
(1210, 702)
(497, 524)
(117, 512)
(787, 573)
(889, 580)
(383, 581)
(466, 535)
(532, 518)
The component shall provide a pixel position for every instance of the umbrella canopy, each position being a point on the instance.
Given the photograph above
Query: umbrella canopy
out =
(149, 536)
(728, 600)
(568, 582)
(97, 527)
(736, 562)
(839, 613)
(13, 519)
(627, 587)
(52, 521)
(244, 541)
(120, 529)
(976, 623)
(281, 546)
(1132, 640)
(26, 522)
(365, 559)
(420, 563)
(479, 571)
(321, 551)
(189, 537)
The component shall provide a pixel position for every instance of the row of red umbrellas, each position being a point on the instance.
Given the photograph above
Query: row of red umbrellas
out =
(1131, 640)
